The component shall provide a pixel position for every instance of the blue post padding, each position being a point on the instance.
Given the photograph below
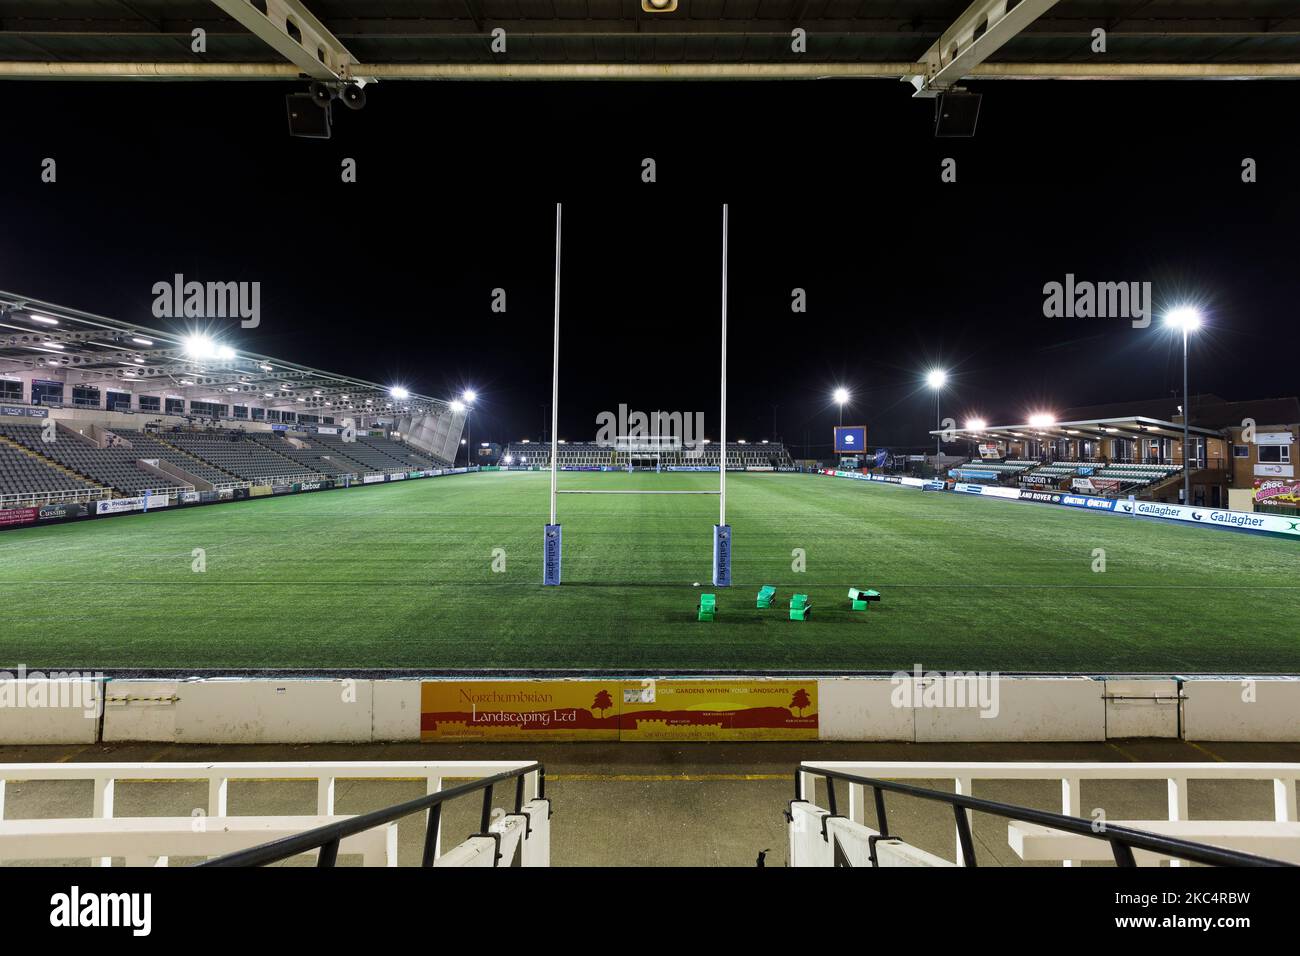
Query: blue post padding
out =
(722, 555)
(552, 552)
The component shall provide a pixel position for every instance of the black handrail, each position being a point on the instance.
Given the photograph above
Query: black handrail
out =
(1123, 840)
(328, 837)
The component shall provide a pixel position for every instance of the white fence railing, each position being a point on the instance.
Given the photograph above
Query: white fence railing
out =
(963, 775)
(156, 838)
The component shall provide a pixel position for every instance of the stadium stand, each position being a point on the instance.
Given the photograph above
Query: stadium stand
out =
(311, 457)
(25, 477)
(146, 446)
(400, 451)
(115, 467)
(232, 452)
(369, 456)
(593, 455)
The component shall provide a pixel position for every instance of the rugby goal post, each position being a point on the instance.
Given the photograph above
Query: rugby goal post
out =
(553, 539)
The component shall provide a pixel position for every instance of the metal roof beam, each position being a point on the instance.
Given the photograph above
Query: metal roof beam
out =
(974, 36)
(293, 31)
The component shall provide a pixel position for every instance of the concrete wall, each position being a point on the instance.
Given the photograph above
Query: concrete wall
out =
(916, 709)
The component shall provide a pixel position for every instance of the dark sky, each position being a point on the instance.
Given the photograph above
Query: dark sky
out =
(834, 187)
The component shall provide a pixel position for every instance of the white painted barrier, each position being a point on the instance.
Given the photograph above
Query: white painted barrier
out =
(104, 778)
(1243, 709)
(45, 711)
(1142, 708)
(152, 841)
(963, 775)
(904, 707)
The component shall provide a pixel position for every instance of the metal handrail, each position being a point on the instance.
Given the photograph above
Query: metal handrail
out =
(1123, 840)
(328, 837)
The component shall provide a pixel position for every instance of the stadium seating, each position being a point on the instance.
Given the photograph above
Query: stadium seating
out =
(233, 452)
(367, 456)
(116, 468)
(311, 457)
(1003, 470)
(147, 446)
(24, 474)
(400, 451)
(593, 455)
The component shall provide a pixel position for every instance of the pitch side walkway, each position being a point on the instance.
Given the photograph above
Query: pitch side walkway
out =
(660, 804)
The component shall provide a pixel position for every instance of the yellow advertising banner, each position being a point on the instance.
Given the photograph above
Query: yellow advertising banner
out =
(719, 710)
(259, 491)
(519, 710)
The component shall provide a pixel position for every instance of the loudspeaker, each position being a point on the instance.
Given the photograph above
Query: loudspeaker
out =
(306, 118)
(956, 113)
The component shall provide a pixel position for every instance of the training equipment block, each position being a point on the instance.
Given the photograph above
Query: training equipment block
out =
(708, 606)
(800, 608)
(765, 595)
(861, 596)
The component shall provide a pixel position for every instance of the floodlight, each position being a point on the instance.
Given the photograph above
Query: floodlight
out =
(1186, 317)
(841, 395)
(457, 405)
(936, 378)
(976, 424)
(1041, 421)
(468, 396)
(398, 392)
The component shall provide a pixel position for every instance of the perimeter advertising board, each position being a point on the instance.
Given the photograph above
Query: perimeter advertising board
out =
(519, 710)
(638, 710)
(719, 710)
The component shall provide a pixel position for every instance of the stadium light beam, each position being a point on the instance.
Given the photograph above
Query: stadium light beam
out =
(1187, 319)
(841, 397)
(937, 378)
(976, 424)
(398, 392)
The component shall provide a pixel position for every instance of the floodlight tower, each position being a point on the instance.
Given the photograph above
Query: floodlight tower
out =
(1188, 320)
(937, 379)
(467, 397)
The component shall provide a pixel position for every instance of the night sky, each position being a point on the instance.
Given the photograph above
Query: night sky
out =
(834, 188)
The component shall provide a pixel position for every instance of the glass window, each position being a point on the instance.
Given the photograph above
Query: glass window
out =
(150, 403)
(85, 396)
(120, 401)
(10, 390)
(175, 406)
(1275, 454)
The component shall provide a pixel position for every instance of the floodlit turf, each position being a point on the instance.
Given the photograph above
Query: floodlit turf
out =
(401, 576)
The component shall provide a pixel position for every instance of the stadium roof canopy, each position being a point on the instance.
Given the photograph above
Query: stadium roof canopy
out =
(933, 43)
(1133, 426)
(36, 336)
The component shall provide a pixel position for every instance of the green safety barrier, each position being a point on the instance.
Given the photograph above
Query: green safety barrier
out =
(708, 606)
(800, 608)
(765, 595)
(861, 598)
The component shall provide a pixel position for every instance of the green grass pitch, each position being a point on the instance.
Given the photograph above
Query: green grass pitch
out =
(401, 576)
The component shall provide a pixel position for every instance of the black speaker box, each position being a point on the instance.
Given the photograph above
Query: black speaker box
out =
(956, 113)
(306, 119)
